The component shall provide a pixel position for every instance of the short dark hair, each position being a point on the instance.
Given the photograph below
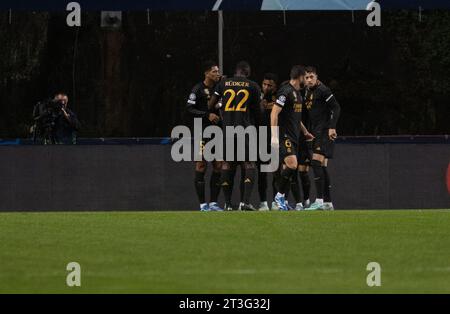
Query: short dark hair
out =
(310, 69)
(243, 67)
(297, 71)
(208, 65)
(271, 77)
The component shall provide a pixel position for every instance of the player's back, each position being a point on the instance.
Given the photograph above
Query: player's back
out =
(240, 101)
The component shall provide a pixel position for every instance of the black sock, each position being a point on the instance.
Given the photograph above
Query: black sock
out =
(227, 184)
(326, 186)
(288, 192)
(250, 176)
(262, 186)
(199, 182)
(318, 177)
(275, 183)
(285, 180)
(233, 174)
(241, 184)
(295, 188)
(214, 186)
(306, 184)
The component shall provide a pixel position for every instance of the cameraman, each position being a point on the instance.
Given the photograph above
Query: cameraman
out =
(55, 123)
(66, 123)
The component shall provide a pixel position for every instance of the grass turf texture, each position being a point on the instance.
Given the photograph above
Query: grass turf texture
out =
(238, 252)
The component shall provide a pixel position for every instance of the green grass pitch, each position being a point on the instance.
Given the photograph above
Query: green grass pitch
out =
(235, 252)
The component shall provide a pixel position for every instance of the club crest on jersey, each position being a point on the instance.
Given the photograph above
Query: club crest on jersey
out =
(192, 96)
(297, 107)
(282, 98)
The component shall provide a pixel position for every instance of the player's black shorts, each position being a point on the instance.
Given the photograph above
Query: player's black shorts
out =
(240, 153)
(288, 148)
(304, 155)
(322, 144)
(199, 148)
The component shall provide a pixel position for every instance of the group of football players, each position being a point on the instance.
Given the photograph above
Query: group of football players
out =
(301, 114)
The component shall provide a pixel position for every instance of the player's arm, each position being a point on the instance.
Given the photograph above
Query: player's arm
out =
(276, 109)
(191, 105)
(212, 107)
(305, 131)
(213, 102)
(335, 110)
(263, 103)
(274, 124)
(218, 93)
(197, 113)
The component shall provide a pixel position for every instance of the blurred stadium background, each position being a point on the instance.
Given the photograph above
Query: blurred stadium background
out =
(133, 81)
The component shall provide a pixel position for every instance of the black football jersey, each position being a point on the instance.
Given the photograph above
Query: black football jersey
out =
(290, 117)
(323, 108)
(197, 103)
(240, 101)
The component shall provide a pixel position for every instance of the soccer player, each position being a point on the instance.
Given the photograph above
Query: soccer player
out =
(269, 90)
(324, 111)
(197, 107)
(241, 107)
(304, 160)
(287, 115)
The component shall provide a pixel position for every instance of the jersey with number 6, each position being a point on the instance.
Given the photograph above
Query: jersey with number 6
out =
(240, 101)
(290, 118)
